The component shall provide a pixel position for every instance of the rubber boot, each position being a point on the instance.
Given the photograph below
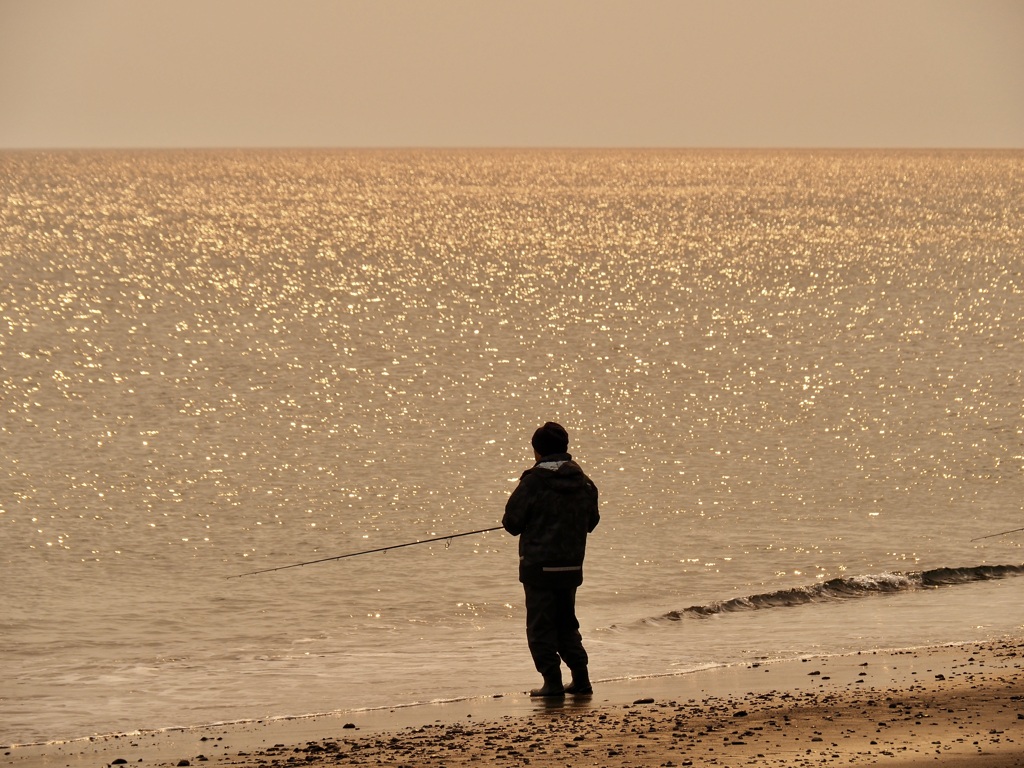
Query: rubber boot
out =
(552, 684)
(580, 685)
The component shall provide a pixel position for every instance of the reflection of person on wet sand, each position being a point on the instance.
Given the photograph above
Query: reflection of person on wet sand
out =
(552, 510)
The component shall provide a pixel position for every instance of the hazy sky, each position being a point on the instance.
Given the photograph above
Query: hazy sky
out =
(359, 73)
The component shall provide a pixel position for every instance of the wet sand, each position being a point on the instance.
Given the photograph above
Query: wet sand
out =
(949, 705)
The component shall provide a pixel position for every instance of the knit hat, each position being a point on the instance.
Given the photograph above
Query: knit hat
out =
(549, 439)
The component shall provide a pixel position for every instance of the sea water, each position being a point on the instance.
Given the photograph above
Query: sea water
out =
(795, 377)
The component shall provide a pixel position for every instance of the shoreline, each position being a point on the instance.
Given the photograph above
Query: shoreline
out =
(953, 704)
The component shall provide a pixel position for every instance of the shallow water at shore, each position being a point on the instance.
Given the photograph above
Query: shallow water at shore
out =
(949, 705)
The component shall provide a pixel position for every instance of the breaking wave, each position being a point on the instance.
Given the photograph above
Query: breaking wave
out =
(849, 587)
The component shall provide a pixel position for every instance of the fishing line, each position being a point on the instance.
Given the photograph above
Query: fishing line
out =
(1001, 533)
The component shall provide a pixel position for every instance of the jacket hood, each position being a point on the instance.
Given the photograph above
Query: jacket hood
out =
(559, 473)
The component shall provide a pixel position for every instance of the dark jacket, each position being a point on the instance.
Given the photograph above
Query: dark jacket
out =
(552, 510)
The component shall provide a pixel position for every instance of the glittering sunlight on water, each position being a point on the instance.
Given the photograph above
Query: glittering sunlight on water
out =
(780, 369)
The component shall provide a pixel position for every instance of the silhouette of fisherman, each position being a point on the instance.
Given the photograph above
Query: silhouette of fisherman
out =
(552, 510)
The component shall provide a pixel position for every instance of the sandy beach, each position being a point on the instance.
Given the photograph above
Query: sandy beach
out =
(957, 705)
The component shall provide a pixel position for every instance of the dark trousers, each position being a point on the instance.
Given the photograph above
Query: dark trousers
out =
(552, 630)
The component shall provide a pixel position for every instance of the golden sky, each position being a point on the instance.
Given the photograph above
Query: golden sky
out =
(503, 73)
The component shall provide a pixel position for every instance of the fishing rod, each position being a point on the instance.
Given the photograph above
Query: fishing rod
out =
(1002, 533)
(449, 537)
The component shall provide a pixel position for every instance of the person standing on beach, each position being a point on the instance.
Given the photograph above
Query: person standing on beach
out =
(552, 510)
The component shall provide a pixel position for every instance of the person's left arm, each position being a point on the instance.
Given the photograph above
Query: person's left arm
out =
(517, 508)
